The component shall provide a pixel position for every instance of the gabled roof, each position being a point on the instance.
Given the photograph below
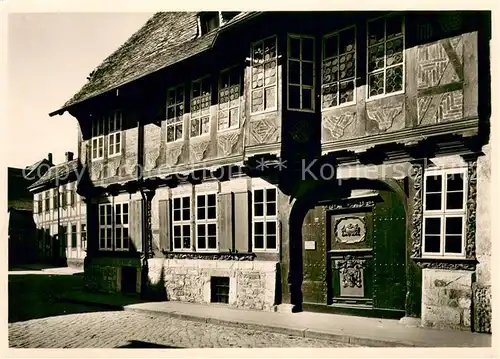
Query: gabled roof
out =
(61, 172)
(30, 170)
(165, 39)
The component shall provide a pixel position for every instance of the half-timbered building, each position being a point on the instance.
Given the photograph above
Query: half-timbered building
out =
(320, 161)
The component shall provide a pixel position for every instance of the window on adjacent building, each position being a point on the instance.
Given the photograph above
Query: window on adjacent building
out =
(97, 142)
(73, 237)
(338, 68)
(181, 223)
(229, 99)
(114, 133)
(55, 198)
(64, 237)
(105, 227)
(63, 196)
(121, 227)
(83, 235)
(200, 107)
(385, 56)
(264, 75)
(47, 200)
(39, 203)
(206, 221)
(175, 112)
(301, 77)
(444, 213)
(71, 194)
(264, 219)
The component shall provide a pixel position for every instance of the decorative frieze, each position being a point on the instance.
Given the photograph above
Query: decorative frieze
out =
(173, 154)
(226, 142)
(264, 131)
(351, 271)
(336, 125)
(416, 175)
(211, 256)
(357, 204)
(470, 246)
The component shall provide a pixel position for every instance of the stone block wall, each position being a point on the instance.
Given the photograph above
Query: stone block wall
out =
(252, 284)
(447, 299)
(105, 274)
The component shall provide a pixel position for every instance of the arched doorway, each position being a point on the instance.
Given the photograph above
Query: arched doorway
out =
(348, 249)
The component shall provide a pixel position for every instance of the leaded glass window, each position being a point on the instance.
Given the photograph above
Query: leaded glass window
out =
(200, 107)
(338, 68)
(175, 112)
(300, 72)
(264, 75)
(229, 99)
(385, 56)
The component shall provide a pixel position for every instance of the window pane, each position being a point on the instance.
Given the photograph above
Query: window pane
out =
(108, 238)
(258, 196)
(177, 215)
(271, 242)
(453, 225)
(294, 99)
(394, 79)
(211, 199)
(454, 200)
(394, 27)
(118, 237)
(177, 203)
(294, 48)
(258, 52)
(346, 92)
(177, 242)
(271, 209)
(375, 31)
(212, 242)
(271, 228)
(201, 242)
(346, 41)
(125, 239)
(259, 242)
(258, 228)
(330, 46)
(432, 226)
(270, 97)
(376, 84)
(433, 183)
(271, 195)
(212, 213)
(177, 231)
(212, 230)
(294, 72)
(432, 244)
(453, 244)
(307, 100)
(259, 209)
(454, 182)
(186, 214)
(201, 213)
(307, 49)
(433, 202)
(270, 48)
(185, 202)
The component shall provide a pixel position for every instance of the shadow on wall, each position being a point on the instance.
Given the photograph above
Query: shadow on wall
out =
(157, 291)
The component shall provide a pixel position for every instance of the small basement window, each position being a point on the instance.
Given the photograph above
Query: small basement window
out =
(219, 290)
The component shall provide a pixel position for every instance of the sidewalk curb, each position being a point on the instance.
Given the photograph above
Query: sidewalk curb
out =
(305, 332)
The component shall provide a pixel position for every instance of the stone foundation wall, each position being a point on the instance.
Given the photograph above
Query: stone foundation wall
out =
(105, 274)
(75, 263)
(252, 284)
(446, 299)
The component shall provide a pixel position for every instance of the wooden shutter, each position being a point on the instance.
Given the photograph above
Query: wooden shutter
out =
(225, 215)
(164, 212)
(135, 225)
(241, 221)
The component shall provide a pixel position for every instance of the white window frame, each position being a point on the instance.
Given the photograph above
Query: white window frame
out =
(265, 219)
(121, 226)
(97, 140)
(384, 70)
(338, 82)
(114, 120)
(70, 239)
(301, 61)
(238, 106)
(264, 86)
(105, 226)
(180, 120)
(182, 222)
(206, 222)
(444, 213)
(200, 116)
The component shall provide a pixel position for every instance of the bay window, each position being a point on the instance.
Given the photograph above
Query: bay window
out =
(229, 99)
(175, 112)
(264, 88)
(114, 133)
(201, 99)
(97, 142)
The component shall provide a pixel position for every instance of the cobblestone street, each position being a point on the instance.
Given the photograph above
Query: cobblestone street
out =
(121, 329)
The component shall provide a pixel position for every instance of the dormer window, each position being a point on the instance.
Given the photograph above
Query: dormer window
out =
(209, 21)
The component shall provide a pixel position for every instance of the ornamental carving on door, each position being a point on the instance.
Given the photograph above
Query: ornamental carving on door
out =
(350, 230)
(351, 271)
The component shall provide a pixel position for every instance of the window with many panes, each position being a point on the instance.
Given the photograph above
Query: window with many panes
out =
(181, 223)
(114, 133)
(301, 77)
(71, 194)
(113, 226)
(105, 227)
(206, 221)
(97, 142)
(264, 219)
(444, 212)
(201, 99)
(63, 196)
(175, 113)
(264, 75)
(47, 200)
(338, 71)
(229, 99)
(55, 198)
(385, 55)
(39, 203)
(121, 239)
(73, 237)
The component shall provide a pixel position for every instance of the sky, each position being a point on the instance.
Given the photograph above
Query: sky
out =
(49, 58)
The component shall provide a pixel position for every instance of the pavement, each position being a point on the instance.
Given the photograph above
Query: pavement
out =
(349, 330)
